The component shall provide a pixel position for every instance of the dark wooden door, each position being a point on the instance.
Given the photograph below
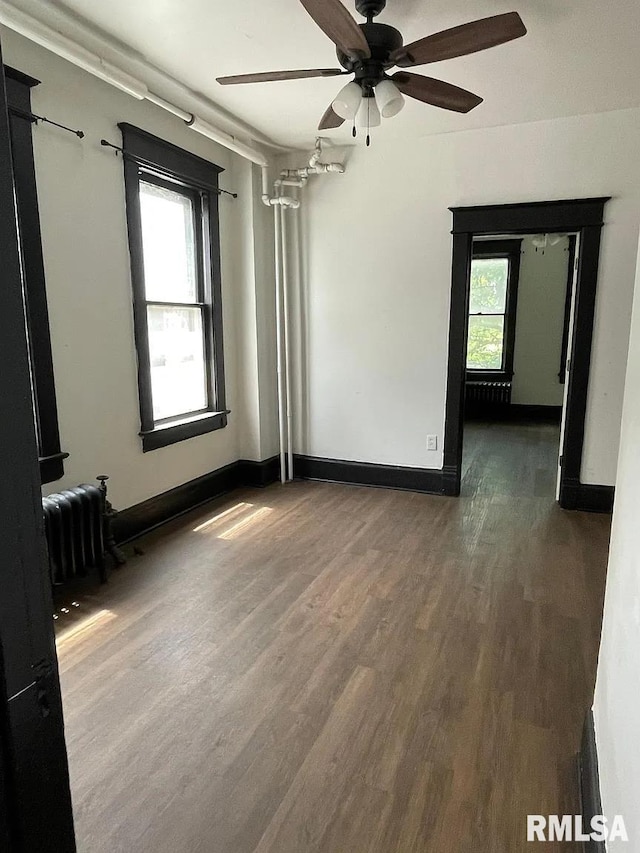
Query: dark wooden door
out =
(34, 779)
(5, 838)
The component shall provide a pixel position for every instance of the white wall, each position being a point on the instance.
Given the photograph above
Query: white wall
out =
(378, 272)
(617, 701)
(83, 219)
(376, 283)
(542, 292)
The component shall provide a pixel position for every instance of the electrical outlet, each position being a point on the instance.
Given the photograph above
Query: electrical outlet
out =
(432, 442)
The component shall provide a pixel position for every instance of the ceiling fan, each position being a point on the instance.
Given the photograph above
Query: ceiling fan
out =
(369, 50)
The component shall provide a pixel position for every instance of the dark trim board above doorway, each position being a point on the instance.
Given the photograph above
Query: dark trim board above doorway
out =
(530, 217)
(581, 216)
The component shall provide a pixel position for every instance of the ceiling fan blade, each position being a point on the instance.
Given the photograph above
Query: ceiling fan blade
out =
(267, 76)
(435, 92)
(462, 40)
(334, 20)
(330, 119)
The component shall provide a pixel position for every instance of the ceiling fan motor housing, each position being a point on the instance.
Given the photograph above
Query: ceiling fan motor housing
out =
(382, 40)
(370, 8)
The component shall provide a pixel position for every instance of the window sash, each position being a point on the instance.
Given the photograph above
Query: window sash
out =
(492, 257)
(503, 348)
(208, 407)
(200, 217)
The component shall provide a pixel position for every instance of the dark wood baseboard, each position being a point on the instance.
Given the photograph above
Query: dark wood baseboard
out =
(147, 515)
(586, 497)
(429, 480)
(539, 414)
(589, 780)
(518, 412)
(259, 474)
(144, 517)
(450, 481)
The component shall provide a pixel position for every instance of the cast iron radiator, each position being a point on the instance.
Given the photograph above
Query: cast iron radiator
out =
(487, 397)
(78, 531)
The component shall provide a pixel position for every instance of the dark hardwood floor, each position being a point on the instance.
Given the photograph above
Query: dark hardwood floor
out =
(513, 458)
(330, 668)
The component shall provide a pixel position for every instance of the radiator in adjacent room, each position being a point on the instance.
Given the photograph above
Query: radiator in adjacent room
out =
(486, 398)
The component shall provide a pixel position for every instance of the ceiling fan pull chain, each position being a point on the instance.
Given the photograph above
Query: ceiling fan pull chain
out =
(369, 120)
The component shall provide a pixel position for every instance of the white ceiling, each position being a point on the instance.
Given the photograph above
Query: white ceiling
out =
(578, 57)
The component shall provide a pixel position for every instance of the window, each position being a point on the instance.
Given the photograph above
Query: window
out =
(43, 391)
(487, 309)
(492, 309)
(172, 214)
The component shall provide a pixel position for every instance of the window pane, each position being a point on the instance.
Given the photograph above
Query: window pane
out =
(486, 343)
(168, 244)
(489, 277)
(178, 376)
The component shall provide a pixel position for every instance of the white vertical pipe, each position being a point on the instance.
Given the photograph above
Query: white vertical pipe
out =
(277, 213)
(287, 348)
(297, 278)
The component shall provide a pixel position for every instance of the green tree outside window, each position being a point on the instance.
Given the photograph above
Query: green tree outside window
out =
(487, 308)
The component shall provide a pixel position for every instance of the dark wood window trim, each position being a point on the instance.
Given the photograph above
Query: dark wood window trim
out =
(583, 217)
(509, 249)
(152, 159)
(51, 457)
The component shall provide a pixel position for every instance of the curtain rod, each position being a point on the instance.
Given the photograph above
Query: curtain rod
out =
(34, 119)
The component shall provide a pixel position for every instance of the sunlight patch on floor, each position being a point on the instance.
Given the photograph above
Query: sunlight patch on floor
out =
(242, 525)
(81, 630)
(241, 515)
(219, 516)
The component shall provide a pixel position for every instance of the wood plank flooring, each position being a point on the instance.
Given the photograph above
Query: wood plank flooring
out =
(329, 668)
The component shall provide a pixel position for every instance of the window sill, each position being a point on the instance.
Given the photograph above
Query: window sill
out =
(166, 434)
(52, 467)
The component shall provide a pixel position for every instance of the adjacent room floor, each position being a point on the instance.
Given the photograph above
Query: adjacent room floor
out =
(320, 667)
(510, 458)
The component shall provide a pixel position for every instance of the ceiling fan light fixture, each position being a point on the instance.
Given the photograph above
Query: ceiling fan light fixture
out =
(347, 101)
(390, 98)
(368, 114)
